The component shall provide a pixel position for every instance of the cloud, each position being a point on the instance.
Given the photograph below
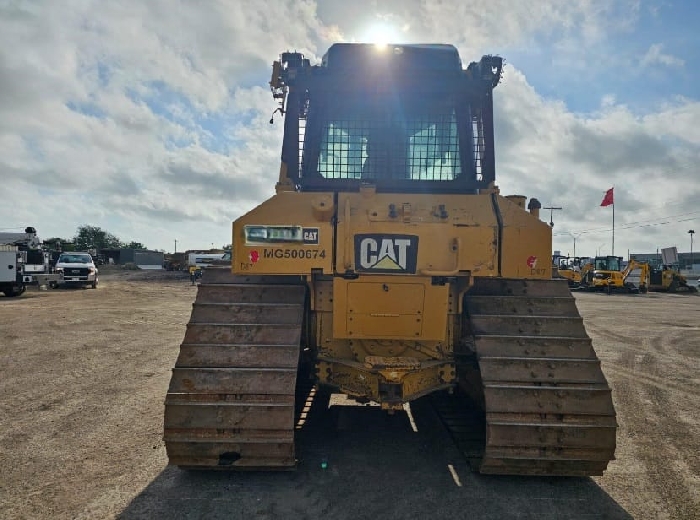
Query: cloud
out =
(150, 119)
(83, 115)
(481, 25)
(569, 160)
(656, 56)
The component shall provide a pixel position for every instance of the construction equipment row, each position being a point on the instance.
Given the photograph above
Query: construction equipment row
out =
(606, 273)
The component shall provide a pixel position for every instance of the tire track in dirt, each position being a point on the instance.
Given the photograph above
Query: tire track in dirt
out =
(664, 438)
(624, 355)
(639, 364)
(599, 334)
(96, 359)
(648, 380)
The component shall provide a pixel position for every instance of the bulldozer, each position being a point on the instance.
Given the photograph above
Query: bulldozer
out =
(388, 267)
(667, 278)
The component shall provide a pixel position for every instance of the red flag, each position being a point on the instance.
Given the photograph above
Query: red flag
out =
(608, 199)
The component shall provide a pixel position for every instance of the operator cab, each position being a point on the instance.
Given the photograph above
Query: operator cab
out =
(413, 121)
(608, 263)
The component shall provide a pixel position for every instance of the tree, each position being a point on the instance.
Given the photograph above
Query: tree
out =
(58, 243)
(93, 237)
(134, 245)
(227, 247)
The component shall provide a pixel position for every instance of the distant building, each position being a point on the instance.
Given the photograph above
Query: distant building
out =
(143, 258)
(654, 259)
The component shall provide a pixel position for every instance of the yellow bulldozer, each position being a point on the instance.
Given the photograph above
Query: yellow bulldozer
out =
(388, 267)
(667, 278)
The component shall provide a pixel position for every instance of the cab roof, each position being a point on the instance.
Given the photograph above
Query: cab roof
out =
(431, 57)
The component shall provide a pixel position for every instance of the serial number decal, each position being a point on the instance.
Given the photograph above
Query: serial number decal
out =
(305, 254)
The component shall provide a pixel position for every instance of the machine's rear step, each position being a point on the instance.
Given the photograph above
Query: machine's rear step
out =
(547, 405)
(231, 400)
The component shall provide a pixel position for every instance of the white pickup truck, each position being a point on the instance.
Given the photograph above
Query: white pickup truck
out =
(76, 269)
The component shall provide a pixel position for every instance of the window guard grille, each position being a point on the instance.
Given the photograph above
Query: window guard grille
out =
(416, 148)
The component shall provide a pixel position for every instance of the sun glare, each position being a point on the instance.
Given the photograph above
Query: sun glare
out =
(380, 34)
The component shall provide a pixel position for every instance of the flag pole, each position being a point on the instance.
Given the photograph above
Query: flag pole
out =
(608, 200)
(613, 238)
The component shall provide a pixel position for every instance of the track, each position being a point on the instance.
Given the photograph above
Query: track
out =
(532, 367)
(231, 400)
(234, 398)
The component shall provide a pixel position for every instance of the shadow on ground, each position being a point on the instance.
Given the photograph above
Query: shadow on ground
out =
(378, 468)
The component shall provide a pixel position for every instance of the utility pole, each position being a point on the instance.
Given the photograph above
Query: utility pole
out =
(691, 232)
(176, 245)
(551, 210)
(574, 236)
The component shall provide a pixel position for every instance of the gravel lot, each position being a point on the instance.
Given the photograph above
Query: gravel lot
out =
(84, 374)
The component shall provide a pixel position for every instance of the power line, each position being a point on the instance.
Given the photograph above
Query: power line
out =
(639, 223)
(653, 224)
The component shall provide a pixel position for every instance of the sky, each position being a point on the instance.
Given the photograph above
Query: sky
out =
(150, 119)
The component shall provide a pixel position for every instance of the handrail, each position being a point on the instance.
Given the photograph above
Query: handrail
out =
(347, 228)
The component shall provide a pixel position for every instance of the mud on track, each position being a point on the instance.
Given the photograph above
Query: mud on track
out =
(84, 374)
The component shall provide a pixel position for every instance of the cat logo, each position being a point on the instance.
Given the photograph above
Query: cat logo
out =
(310, 236)
(386, 253)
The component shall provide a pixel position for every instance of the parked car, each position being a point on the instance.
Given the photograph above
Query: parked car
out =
(76, 269)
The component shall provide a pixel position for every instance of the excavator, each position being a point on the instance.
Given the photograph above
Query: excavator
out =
(388, 267)
(606, 274)
(572, 269)
(637, 275)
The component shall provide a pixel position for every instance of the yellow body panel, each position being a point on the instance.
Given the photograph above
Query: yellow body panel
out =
(390, 307)
(470, 219)
(454, 233)
(526, 243)
(603, 278)
(386, 274)
(310, 211)
(574, 277)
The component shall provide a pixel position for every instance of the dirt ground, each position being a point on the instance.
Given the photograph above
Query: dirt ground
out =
(84, 374)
